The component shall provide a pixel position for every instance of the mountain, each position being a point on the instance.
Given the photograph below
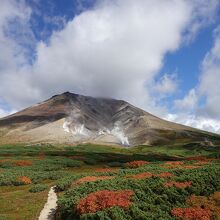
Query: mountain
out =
(71, 119)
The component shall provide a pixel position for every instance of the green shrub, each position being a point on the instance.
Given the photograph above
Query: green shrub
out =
(151, 200)
(115, 164)
(65, 183)
(38, 188)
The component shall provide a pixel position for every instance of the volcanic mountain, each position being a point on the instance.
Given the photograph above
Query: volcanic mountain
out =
(71, 119)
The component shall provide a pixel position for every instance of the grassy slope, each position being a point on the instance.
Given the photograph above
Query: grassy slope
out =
(19, 202)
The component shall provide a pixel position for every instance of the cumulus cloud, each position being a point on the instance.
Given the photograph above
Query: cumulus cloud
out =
(16, 40)
(167, 84)
(195, 121)
(189, 102)
(110, 51)
(209, 81)
(115, 49)
(9, 10)
(201, 8)
(200, 107)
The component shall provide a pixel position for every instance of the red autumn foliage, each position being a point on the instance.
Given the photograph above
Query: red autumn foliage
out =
(201, 163)
(7, 155)
(174, 163)
(41, 155)
(22, 163)
(142, 175)
(17, 162)
(136, 163)
(5, 160)
(165, 174)
(192, 213)
(190, 167)
(212, 203)
(178, 184)
(148, 175)
(179, 165)
(92, 179)
(196, 158)
(103, 199)
(24, 179)
(106, 170)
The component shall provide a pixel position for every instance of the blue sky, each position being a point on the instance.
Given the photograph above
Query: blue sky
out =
(186, 62)
(160, 56)
(63, 10)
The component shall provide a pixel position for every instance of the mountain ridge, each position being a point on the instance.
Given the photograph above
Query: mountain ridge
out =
(72, 118)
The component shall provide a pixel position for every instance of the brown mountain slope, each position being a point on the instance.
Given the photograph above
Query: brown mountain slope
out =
(71, 118)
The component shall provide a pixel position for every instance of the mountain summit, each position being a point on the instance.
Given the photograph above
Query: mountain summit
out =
(71, 119)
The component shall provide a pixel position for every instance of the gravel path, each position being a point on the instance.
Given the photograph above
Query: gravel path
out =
(48, 212)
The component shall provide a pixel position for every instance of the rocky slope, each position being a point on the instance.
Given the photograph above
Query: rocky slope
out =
(71, 119)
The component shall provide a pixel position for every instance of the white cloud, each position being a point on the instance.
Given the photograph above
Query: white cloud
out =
(115, 50)
(200, 107)
(209, 81)
(199, 122)
(188, 103)
(16, 38)
(167, 84)
(201, 8)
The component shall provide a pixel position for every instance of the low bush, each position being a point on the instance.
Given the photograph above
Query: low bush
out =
(178, 184)
(174, 163)
(90, 161)
(201, 162)
(24, 180)
(38, 188)
(142, 175)
(148, 175)
(22, 163)
(165, 175)
(92, 179)
(192, 213)
(100, 200)
(115, 164)
(65, 183)
(107, 170)
(136, 163)
(189, 167)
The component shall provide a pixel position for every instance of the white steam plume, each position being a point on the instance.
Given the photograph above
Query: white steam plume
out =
(117, 132)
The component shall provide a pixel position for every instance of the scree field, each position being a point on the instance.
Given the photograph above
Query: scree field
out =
(104, 182)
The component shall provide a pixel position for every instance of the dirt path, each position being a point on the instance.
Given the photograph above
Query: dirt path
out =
(48, 212)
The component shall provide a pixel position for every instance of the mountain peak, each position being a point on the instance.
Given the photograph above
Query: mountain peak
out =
(65, 94)
(73, 118)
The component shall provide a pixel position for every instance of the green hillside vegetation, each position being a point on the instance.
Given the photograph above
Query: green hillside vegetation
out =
(83, 172)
